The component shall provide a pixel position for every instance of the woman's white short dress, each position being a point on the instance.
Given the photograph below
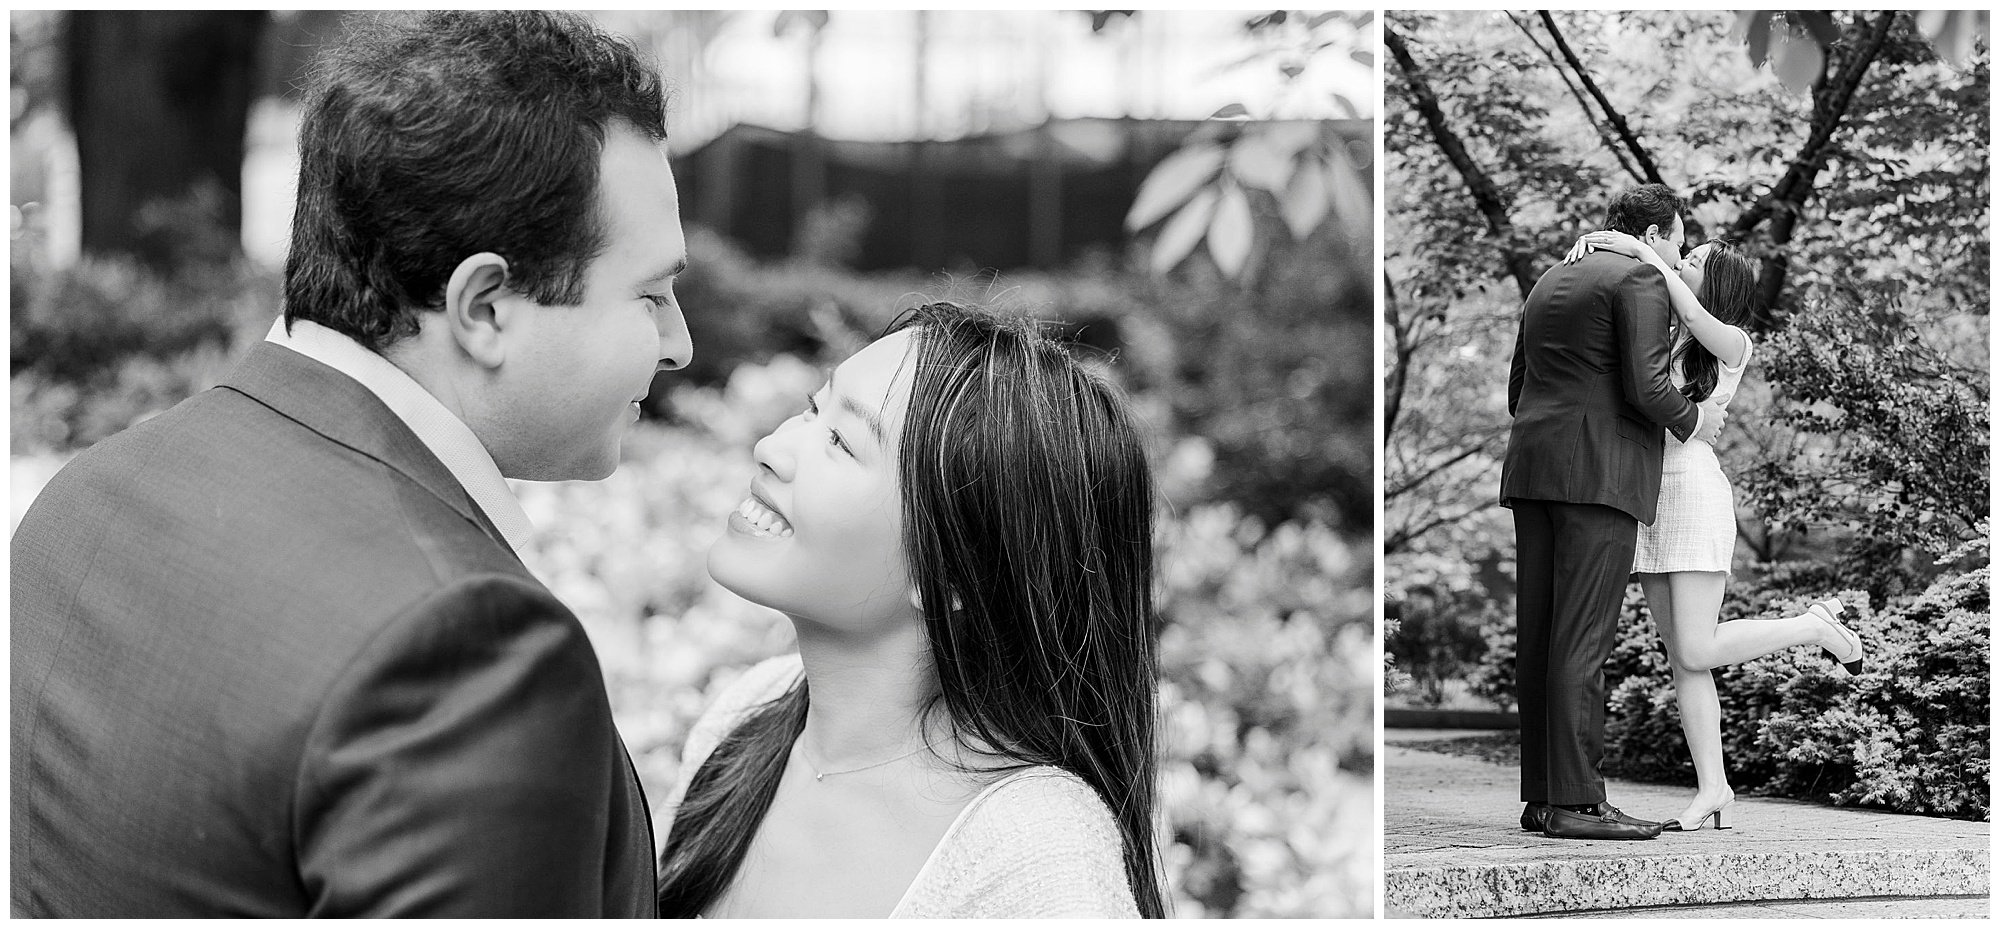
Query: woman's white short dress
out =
(1694, 528)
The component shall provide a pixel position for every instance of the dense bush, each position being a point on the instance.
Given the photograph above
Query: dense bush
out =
(1435, 641)
(99, 346)
(1888, 438)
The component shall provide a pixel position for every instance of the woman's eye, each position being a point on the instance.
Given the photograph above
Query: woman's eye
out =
(834, 439)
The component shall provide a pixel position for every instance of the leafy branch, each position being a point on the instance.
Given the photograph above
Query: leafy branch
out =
(1832, 96)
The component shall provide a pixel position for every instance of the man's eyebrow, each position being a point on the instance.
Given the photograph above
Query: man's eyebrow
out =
(867, 417)
(678, 268)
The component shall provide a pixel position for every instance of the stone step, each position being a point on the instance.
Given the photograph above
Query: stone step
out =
(1453, 847)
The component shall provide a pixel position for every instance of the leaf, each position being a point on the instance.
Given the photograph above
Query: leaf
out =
(1363, 56)
(1231, 111)
(1931, 22)
(1173, 180)
(814, 20)
(1307, 201)
(1346, 106)
(1266, 21)
(1352, 198)
(1755, 27)
(1260, 161)
(1819, 24)
(1102, 18)
(1182, 232)
(1229, 233)
(1798, 62)
(1952, 32)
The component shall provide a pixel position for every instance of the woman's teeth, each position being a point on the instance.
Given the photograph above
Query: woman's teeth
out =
(765, 521)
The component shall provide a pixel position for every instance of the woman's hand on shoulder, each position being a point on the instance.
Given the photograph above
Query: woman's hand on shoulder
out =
(1610, 241)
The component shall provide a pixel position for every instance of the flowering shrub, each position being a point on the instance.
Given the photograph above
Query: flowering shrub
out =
(1267, 694)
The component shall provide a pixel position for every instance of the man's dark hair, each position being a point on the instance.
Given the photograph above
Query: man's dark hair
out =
(1642, 205)
(430, 138)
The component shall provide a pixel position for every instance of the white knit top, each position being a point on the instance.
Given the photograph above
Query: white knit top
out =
(1037, 843)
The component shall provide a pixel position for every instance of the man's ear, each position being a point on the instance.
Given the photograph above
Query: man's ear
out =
(1652, 232)
(470, 314)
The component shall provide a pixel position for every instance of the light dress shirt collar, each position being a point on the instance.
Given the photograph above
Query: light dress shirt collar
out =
(438, 428)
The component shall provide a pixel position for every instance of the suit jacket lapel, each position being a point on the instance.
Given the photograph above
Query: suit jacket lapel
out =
(340, 409)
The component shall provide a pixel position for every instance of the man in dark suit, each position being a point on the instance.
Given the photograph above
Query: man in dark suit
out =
(1590, 393)
(273, 653)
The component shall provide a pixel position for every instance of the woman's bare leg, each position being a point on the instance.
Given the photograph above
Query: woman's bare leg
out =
(1677, 608)
(1687, 610)
(1707, 643)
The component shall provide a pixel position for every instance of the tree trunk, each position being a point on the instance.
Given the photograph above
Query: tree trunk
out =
(1485, 194)
(159, 102)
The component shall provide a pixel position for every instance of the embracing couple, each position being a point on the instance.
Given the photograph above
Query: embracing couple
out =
(1627, 357)
(273, 652)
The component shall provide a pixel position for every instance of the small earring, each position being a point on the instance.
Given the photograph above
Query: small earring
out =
(917, 600)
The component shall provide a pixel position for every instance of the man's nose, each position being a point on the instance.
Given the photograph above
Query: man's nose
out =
(676, 346)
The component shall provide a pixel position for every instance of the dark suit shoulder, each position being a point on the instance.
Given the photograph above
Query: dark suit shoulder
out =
(1640, 272)
(189, 596)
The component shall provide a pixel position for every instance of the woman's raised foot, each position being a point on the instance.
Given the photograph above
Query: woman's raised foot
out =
(1850, 654)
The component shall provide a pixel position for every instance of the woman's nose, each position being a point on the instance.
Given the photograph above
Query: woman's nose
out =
(774, 453)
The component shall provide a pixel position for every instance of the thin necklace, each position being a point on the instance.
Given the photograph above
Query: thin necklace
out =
(819, 775)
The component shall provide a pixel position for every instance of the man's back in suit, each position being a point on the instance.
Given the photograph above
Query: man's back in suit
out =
(269, 660)
(1589, 390)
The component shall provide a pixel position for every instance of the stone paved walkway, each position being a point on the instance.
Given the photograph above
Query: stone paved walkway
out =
(1453, 847)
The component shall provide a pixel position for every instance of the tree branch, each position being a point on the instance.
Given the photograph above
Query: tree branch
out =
(1417, 481)
(1603, 132)
(1401, 538)
(1485, 195)
(1399, 365)
(1618, 124)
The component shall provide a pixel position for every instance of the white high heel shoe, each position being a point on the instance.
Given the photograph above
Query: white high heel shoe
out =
(1825, 610)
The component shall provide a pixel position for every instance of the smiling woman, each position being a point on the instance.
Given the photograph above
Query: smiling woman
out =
(959, 527)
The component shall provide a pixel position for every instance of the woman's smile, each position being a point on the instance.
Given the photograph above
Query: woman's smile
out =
(756, 519)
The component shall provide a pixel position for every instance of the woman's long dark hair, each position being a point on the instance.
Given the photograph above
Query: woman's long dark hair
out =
(1728, 291)
(1027, 526)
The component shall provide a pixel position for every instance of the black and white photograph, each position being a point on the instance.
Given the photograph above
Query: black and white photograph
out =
(679, 463)
(1686, 464)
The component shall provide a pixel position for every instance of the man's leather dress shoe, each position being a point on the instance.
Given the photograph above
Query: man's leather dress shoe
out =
(1606, 823)
(1536, 817)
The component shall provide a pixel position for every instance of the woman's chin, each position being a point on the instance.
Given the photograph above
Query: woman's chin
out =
(725, 566)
